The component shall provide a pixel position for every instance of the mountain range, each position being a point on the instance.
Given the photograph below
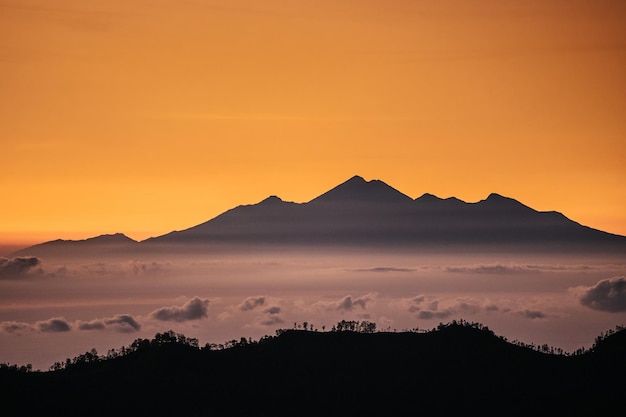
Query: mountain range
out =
(360, 213)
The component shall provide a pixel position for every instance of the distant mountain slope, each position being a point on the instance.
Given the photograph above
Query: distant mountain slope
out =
(360, 213)
(451, 371)
(93, 247)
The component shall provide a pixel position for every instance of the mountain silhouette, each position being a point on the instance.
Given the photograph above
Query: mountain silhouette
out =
(360, 213)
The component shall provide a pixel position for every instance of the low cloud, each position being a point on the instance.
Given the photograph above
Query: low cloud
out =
(348, 303)
(271, 317)
(492, 269)
(148, 268)
(123, 323)
(384, 269)
(430, 308)
(194, 309)
(54, 325)
(469, 306)
(271, 320)
(532, 314)
(15, 327)
(251, 303)
(414, 303)
(272, 310)
(100, 269)
(607, 295)
(430, 314)
(18, 266)
(504, 269)
(92, 325)
(493, 307)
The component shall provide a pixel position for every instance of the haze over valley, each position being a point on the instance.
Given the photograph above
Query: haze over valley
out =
(361, 251)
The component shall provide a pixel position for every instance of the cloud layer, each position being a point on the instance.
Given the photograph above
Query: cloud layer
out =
(124, 323)
(429, 308)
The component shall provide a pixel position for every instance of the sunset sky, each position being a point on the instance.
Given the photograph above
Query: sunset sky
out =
(142, 117)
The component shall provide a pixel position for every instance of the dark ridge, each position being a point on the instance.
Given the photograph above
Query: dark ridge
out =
(103, 244)
(456, 369)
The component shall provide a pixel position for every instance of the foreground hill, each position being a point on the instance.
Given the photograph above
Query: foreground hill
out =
(456, 369)
(360, 213)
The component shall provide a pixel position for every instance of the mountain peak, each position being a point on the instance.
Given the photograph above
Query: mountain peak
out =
(496, 197)
(111, 238)
(357, 189)
(500, 202)
(272, 200)
(428, 197)
(356, 179)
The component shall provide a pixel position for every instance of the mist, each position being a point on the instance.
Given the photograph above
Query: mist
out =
(61, 307)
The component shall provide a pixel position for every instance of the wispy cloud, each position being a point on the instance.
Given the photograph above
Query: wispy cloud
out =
(251, 303)
(15, 327)
(532, 314)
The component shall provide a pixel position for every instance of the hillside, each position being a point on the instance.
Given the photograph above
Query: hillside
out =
(458, 368)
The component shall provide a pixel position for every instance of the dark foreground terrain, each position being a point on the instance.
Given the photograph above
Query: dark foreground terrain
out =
(462, 369)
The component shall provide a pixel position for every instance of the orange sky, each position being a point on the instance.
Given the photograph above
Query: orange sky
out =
(142, 116)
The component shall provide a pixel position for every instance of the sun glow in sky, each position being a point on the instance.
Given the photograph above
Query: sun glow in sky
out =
(143, 117)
